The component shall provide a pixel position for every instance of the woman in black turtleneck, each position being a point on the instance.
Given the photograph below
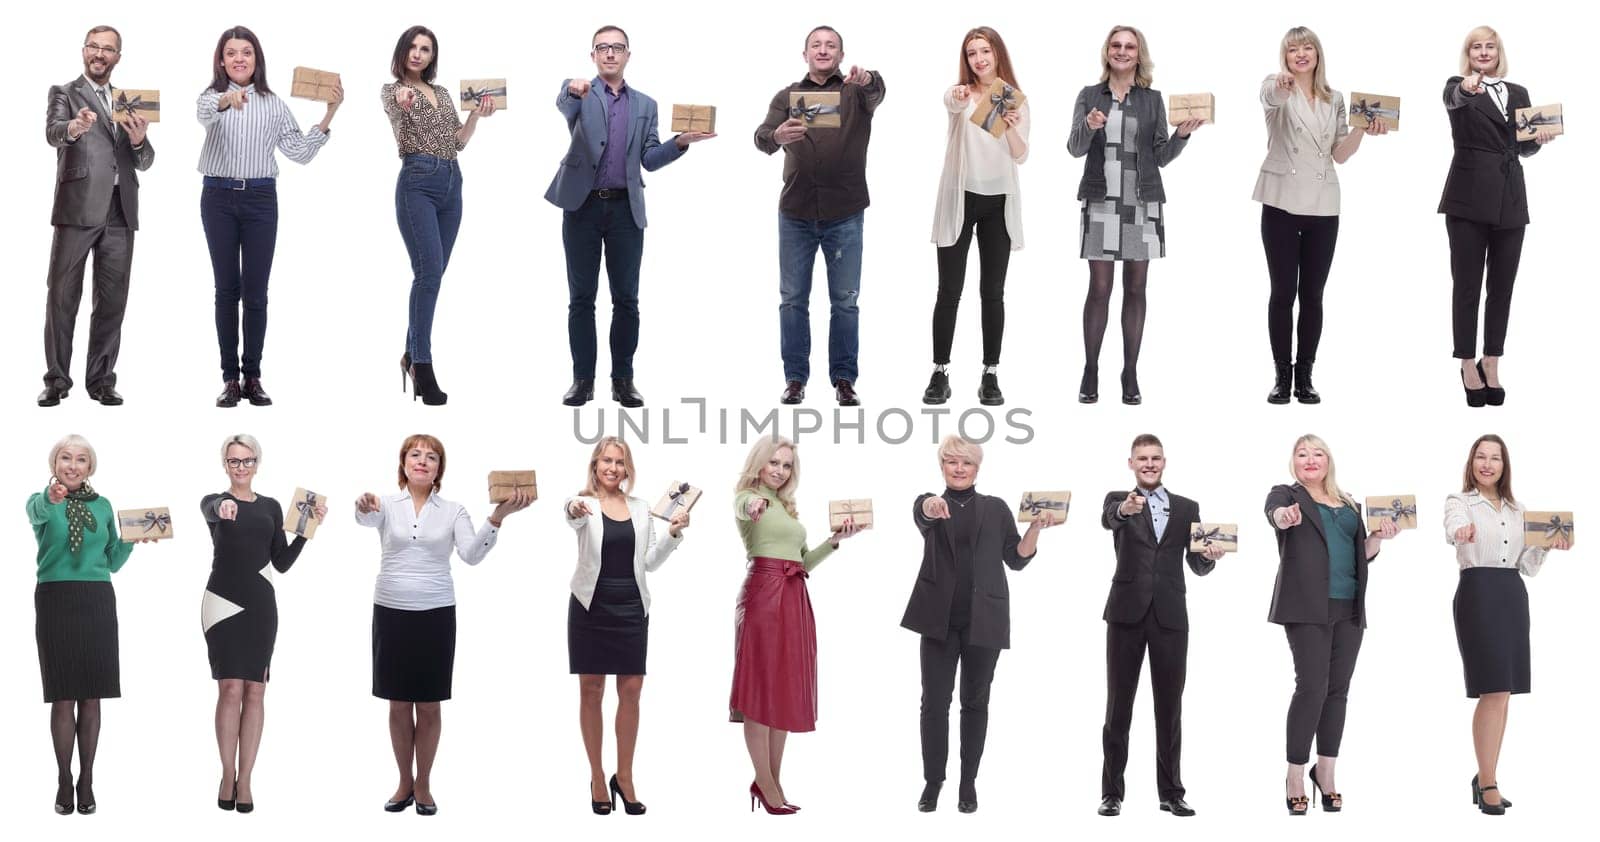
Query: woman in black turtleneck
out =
(960, 606)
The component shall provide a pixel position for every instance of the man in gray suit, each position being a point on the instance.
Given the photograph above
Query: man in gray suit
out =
(598, 186)
(96, 210)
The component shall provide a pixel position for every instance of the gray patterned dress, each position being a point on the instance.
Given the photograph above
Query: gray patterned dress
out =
(1120, 227)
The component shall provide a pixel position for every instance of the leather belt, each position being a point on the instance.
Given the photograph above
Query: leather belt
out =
(609, 193)
(238, 183)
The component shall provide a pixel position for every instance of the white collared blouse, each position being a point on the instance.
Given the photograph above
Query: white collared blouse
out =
(415, 571)
(1498, 539)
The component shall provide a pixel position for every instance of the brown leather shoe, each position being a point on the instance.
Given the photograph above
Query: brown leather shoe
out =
(256, 395)
(230, 395)
(793, 392)
(845, 391)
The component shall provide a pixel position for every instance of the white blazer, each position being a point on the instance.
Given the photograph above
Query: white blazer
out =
(1298, 175)
(649, 552)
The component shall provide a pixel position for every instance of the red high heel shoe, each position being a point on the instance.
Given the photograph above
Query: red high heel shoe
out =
(780, 810)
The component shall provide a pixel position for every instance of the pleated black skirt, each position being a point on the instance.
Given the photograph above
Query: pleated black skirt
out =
(613, 636)
(413, 653)
(1491, 611)
(75, 625)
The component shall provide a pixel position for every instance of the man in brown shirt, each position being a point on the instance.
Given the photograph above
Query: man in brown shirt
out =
(822, 205)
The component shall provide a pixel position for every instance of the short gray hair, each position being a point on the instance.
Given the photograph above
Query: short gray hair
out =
(964, 448)
(73, 440)
(244, 440)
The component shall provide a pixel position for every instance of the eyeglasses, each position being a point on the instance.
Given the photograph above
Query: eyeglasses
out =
(100, 48)
(614, 49)
(235, 464)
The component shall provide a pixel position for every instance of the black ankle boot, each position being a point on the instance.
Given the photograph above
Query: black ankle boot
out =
(1283, 385)
(938, 390)
(1302, 383)
(425, 386)
(989, 393)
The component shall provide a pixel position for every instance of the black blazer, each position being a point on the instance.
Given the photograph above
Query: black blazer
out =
(88, 168)
(1150, 571)
(1485, 182)
(1300, 593)
(928, 612)
(1156, 148)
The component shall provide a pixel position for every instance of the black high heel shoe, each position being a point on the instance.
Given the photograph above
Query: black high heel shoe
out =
(85, 799)
(1477, 794)
(1130, 388)
(64, 803)
(1298, 805)
(1332, 802)
(632, 808)
(930, 797)
(1475, 397)
(230, 802)
(1483, 805)
(602, 808)
(1089, 386)
(1495, 395)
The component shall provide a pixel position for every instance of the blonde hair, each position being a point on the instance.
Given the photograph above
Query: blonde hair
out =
(760, 455)
(1319, 76)
(244, 440)
(1143, 72)
(961, 448)
(1330, 485)
(73, 440)
(1485, 33)
(591, 485)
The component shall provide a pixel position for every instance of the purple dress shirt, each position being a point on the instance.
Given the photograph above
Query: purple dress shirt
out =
(613, 174)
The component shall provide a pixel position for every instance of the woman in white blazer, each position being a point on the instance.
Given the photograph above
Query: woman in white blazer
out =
(978, 189)
(1307, 133)
(608, 617)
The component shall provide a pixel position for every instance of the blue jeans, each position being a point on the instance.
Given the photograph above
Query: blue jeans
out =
(241, 233)
(608, 223)
(798, 241)
(427, 205)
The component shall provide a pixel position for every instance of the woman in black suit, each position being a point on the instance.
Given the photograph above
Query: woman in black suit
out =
(1319, 598)
(960, 605)
(1485, 205)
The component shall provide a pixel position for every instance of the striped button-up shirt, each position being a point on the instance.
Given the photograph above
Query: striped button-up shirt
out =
(240, 141)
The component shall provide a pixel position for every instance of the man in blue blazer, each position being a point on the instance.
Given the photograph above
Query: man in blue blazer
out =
(598, 186)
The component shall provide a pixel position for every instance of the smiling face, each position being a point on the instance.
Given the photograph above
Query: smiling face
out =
(775, 474)
(73, 465)
(610, 469)
(610, 53)
(1122, 53)
(1483, 55)
(240, 463)
(1300, 57)
(1488, 466)
(419, 56)
(824, 51)
(101, 52)
(960, 472)
(1310, 465)
(1148, 462)
(980, 60)
(239, 61)
(422, 466)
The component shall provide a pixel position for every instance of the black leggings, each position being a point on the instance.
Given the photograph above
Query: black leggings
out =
(988, 215)
(1299, 255)
(1474, 246)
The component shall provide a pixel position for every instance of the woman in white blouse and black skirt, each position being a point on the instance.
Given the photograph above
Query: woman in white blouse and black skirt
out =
(1485, 524)
(245, 124)
(414, 610)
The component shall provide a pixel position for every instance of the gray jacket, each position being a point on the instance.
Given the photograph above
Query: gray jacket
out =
(1155, 150)
(88, 168)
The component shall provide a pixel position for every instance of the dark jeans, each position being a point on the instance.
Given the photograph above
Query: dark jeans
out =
(1324, 659)
(602, 224)
(1299, 255)
(1169, 652)
(427, 205)
(1473, 247)
(112, 245)
(988, 215)
(939, 661)
(242, 234)
(798, 241)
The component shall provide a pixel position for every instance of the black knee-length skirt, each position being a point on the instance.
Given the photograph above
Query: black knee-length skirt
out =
(613, 635)
(75, 625)
(1491, 612)
(413, 653)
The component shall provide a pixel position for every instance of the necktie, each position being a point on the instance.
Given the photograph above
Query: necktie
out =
(105, 100)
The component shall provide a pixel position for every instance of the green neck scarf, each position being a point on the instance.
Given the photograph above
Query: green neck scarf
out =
(79, 517)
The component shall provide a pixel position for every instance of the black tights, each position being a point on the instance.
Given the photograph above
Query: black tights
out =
(1097, 310)
(75, 722)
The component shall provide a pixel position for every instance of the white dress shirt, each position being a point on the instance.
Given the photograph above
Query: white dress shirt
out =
(650, 549)
(240, 142)
(415, 574)
(1498, 539)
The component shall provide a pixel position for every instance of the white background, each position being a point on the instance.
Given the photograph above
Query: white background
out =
(511, 760)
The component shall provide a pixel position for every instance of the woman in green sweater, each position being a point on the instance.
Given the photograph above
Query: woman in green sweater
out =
(775, 650)
(76, 612)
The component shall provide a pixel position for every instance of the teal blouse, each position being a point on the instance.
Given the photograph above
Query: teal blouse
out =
(1342, 526)
(101, 554)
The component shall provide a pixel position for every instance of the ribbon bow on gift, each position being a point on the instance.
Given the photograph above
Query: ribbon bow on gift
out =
(1207, 537)
(1036, 506)
(151, 522)
(123, 104)
(810, 113)
(1529, 123)
(1395, 511)
(477, 95)
(1373, 110)
(308, 512)
(1000, 103)
(1553, 528)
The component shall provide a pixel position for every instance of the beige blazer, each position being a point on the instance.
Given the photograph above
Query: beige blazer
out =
(1298, 175)
(650, 549)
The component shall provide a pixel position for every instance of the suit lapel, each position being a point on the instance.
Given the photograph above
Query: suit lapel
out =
(92, 99)
(1309, 510)
(1485, 104)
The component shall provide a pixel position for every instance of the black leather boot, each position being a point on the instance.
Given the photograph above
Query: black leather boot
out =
(1283, 385)
(938, 390)
(425, 386)
(1302, 383)
(622, 392)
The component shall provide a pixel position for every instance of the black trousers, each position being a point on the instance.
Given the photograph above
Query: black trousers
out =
(939, 661)
(1475, 247)
(1324, 659)
(112, 245)
(1299, 255)
(987, 214)
(1126, 644)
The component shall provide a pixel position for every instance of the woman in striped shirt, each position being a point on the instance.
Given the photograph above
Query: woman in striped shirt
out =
(245, 123)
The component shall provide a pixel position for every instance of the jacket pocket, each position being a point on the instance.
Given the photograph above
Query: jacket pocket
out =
(572, 160)
(74, 174)
(1276, 165)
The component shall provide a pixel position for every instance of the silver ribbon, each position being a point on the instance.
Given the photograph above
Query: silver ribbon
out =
(1530, 123)
(1000, 103)
(809, 113)
(1554, 528)
(1035, 506)
(477, 95)
(150, 522)
(307, 508)
(1372, 110)
(1215, 535)
(1395, 511)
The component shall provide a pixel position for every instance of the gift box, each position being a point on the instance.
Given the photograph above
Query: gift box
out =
(680, 497)
(1540, 529)
(1535, 117)
(817, 109)
(1364, 108)
(502, 484)
(1036, 503)
(1182, 108)
(859, 510)
(154, 523)
(474, 90)
(1001, 97)
(125, 101)
(301, 518)
(1400, 508)
(313, 84)
(1224, 535)
(694, 118)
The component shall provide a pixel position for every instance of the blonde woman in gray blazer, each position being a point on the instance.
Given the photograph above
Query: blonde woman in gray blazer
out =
(608, 616)
(1307, 133)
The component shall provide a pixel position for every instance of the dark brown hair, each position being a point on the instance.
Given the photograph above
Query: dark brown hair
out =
(1002, 59)
(432, 444)
(219, 76)
(1146, 440)
(1468, 482)
(397, 64)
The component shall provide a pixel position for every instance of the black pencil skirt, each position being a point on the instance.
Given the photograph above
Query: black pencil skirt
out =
(613, 636)
(1491, 611)
(413, 653)
(75, 625)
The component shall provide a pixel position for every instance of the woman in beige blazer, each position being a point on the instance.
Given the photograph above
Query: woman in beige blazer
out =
(1307, 133)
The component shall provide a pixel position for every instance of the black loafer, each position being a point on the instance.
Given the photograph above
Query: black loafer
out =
(1110, 806)
(51, 396)
(1177, 807)
(107, 397)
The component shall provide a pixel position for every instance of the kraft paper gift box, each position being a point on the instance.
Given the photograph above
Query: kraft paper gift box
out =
(859, 509)
(1364, 108)
(502, 484)
(127, 100)
(680, 496)
(817, 109)
(301, 517)
(1224, 535)
(1001, 97)
(1533, 118)
(1182, 108)
(1400, 508)
(694, 118)
(1540, 529)
(473, 90)
(1036, 503)
(154, 523)
(313, 84)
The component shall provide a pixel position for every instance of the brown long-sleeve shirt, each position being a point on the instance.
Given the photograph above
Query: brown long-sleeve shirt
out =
(825, 172)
